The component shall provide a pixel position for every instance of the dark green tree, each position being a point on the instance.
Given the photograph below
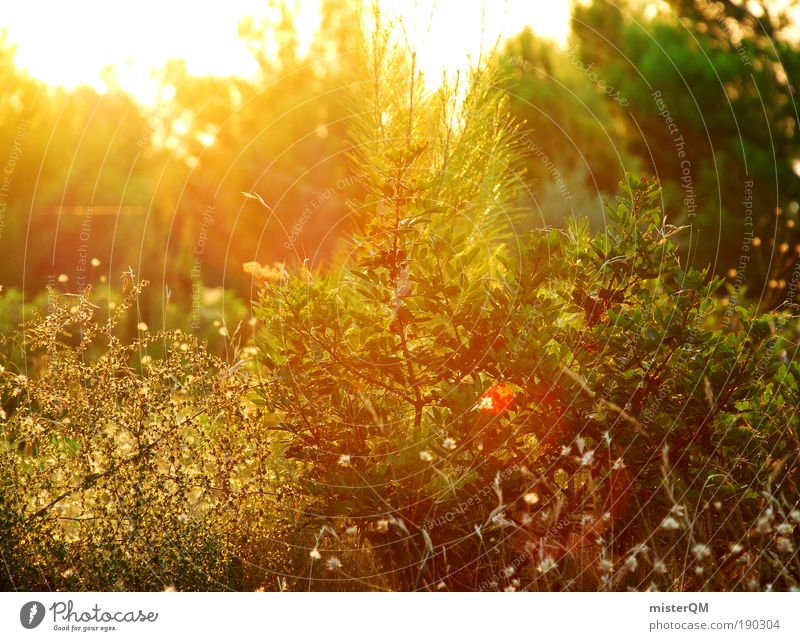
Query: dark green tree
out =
(712, 113)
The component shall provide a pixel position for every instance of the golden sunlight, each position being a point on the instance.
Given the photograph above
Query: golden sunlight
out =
(399, 296)
(103, 43)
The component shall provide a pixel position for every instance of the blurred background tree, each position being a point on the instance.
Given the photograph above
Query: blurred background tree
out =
(724, 71)
(158, 187)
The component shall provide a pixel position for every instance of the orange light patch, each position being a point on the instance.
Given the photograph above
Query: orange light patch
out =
(497, 399)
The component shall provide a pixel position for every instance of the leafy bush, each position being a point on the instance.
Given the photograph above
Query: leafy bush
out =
(461, 403)
(474, 408)
(583, 420)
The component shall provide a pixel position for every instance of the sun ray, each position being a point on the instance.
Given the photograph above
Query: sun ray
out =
(101, 43)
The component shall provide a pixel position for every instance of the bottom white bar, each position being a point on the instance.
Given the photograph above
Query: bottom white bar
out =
(408, 616)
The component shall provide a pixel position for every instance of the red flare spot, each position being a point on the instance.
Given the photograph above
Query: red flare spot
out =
(497, 399)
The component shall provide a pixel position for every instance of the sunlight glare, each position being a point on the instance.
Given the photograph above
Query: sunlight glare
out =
(105, 44)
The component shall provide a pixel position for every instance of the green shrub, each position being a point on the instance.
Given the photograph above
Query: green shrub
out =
(462, 402)
(474, 407)
(583, 420)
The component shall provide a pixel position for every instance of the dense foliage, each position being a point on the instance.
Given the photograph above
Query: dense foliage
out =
(463, 401)
(168, 176)
(580, 416)
(698, 93)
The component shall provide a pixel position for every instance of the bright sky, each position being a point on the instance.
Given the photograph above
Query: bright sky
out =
(68, 42)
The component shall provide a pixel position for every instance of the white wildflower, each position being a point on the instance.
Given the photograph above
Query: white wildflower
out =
(762, 525)
(546, 565)
(531, 498)
(679, 510)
